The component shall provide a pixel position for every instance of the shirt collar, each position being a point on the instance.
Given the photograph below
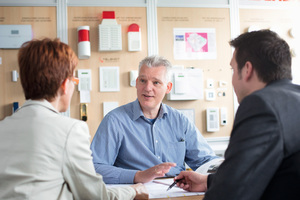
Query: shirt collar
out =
(43, 103)
(137, 110)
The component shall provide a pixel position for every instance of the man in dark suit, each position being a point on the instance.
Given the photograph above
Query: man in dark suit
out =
(262, 160)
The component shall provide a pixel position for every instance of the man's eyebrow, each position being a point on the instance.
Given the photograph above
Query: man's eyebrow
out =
(153, 78)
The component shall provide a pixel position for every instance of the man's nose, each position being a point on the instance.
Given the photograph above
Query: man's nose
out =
(148, 86)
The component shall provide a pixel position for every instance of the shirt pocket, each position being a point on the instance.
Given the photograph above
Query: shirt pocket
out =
(176, 152)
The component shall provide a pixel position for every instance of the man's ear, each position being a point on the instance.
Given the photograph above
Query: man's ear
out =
(64, 86)
(248, 71)
(169, 87)
(136, 81)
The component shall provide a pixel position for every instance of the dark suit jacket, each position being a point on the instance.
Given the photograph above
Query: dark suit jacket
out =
(262, 160)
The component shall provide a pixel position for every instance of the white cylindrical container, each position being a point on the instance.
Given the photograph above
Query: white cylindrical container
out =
(84, 45)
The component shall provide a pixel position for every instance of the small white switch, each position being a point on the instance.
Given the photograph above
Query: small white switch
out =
(210, 83)
(15, 76)
(210, 95)
(223, 116)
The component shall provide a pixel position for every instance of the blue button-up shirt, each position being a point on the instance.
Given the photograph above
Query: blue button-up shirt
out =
(127, 142)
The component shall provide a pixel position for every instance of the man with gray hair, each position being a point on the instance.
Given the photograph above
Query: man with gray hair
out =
(146, 139)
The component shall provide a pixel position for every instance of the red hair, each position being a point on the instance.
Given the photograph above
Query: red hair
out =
(44, 65)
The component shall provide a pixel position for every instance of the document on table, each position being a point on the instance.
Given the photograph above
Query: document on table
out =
(158, 189)
(210, 167)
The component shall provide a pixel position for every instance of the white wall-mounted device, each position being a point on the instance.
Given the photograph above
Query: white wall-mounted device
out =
(134, 38)
(85, 85)
(109, 79)
(210, 83)
(210, 95)
(133, 77)
(110, 33)
(14, 76)
(223, 116)
(180, 83)
(187, 84)
(85, 79)
(13, 36)
(212, 120)
(222, 83)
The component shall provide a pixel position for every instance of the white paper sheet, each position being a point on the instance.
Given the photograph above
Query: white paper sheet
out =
(210, 166)
(158, 189)
(85, 96)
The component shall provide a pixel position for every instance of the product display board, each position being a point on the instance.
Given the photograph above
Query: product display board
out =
(43, 24)
(189, 37)
(123, 60)
(285, 22)
(198, 38)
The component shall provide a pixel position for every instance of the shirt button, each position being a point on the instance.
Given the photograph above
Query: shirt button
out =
(158, 157)
(156, 141)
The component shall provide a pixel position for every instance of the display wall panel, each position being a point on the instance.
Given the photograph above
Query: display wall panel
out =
(28, 3)
(43, 22)
(217, 69)
(204, 15)
(124, 59)
(282, 21)
(193, 3)
(120, 3)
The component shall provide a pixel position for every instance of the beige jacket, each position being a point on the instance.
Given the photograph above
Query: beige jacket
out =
(44, 155)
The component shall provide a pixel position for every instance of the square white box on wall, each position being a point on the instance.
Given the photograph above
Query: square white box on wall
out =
(109, 79)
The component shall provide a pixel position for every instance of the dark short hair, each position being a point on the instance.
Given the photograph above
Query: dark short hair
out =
(44, 65)
(269, 54)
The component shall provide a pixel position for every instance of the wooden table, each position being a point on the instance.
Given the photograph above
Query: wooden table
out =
(196, 197)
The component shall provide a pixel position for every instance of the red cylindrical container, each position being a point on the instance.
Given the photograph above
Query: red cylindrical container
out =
(84, 45)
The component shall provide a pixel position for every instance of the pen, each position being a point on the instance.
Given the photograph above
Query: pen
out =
(174, 183)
